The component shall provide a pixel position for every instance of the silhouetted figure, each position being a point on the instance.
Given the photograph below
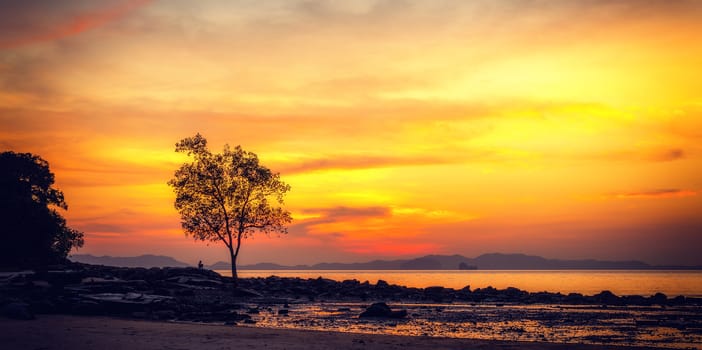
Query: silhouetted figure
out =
(199, 265)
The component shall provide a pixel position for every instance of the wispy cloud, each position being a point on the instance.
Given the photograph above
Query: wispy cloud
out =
(657, 193)
(30, 22)
(312, 217)
(362, 162)
(667, 155)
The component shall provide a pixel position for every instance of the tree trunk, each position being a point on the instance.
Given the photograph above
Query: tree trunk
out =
(235, 277)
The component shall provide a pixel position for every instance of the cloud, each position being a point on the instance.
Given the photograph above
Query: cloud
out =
(320, 216)
(652, 154)
(657, 193)
(668, 155)
(29, 22)
(347, 212)
(337, 225)
(362, 162)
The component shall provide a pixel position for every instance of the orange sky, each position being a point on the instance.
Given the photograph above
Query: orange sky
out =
(563, 129)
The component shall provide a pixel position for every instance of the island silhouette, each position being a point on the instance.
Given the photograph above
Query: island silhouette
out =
(491, 261)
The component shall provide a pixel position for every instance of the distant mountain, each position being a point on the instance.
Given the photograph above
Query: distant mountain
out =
(129, 261)
(497, 261)
(221, 265)
(494, 261)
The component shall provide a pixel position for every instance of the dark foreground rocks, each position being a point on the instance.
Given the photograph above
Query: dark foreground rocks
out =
(191, 294)
(382, 310)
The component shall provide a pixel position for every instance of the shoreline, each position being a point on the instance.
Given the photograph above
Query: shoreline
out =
(489, 314)
(91, 332)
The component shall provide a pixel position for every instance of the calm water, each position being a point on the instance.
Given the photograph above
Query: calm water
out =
(620, 282)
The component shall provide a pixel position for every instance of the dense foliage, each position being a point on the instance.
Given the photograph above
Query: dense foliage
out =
(33, 232)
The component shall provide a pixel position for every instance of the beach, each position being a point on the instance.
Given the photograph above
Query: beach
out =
(159, 305)
(80, 332)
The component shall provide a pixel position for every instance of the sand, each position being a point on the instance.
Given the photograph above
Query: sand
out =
(77, 333)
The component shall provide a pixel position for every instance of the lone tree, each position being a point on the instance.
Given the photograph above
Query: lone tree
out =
(227, 196)
(33, 232)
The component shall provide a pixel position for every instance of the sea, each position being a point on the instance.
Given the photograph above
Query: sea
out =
(588, 282)
(676, 327)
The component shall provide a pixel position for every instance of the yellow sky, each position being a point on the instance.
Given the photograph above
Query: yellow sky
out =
(564, 129)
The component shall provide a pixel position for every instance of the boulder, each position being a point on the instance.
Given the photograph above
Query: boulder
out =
(126, 302)
(17, 311)
(243, 292)
(607, 298)
(382, 310)
(659, 298)
(435, 293)
(195, 281)
(381, 284)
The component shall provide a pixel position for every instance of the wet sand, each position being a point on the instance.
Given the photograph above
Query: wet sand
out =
(77, 333)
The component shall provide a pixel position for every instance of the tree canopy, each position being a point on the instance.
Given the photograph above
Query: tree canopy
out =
(227, 196)
(33, 232)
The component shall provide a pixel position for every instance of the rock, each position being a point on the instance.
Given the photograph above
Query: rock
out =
(679, 300)
(184, 293)
(575, 298)
(195, 281)
(120, 303)
(234, 316)
(41, 284)
(98, 280)
(659, 298)
(434, 290)
(607, 298)
(17, 311)
(634, 300)
(283, 312)
(382, 310)
(64, 277)
(127, 298)
(435, 293)
(243, 292)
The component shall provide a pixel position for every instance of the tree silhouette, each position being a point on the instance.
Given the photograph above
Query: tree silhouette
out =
(228, 196)
(33, 232)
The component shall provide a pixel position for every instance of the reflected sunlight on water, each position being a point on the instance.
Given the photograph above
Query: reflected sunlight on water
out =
(549, 323)
(588, 282)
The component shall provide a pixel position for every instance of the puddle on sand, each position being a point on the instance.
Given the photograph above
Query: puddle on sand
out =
(674, 327)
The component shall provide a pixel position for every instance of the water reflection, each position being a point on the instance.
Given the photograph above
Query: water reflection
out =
(672, 283)
(679, 327)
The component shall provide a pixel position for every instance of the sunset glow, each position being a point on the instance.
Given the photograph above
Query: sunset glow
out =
(563, 129)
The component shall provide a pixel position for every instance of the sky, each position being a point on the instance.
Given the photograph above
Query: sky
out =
(566, 129)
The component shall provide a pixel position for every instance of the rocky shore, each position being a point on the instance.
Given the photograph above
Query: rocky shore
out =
(190, 294)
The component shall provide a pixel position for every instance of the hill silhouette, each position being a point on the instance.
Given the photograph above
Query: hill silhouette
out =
(147, 260)
(492, 261)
